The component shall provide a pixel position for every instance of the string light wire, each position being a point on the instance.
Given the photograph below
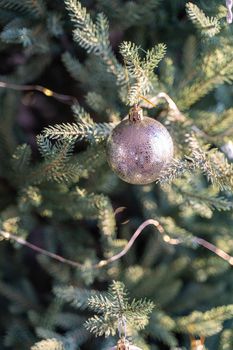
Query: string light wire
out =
(67, 99)
(166, 238)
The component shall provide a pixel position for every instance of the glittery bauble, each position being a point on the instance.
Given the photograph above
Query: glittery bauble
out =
(139, 148)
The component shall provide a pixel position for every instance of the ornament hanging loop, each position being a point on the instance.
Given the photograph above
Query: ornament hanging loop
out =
(229, 5)
(122, 327)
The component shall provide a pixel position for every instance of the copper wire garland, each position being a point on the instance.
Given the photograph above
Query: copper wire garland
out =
(166, 238)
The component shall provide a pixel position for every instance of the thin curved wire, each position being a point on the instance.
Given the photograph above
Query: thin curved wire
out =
(173, 241)
(229, 5)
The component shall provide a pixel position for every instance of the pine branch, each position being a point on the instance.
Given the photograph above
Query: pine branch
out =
(153, 57)
(175, 170)
(22, 36)
(222, 125)
(226, 342)
(211, 162)
(209, 26)
(73, 66)
(26, 7)
(106, 222)
(88, 162)
(96, 102)
(130, 54)
(205, 323)
(214, 68)
(94, 133)
(86, 31)
(56, 164)
(18, 297)
(161, 327)
(140, 71)
(48, 344)
(219, 203)
(100, 304)
(167, 73)
(21, 157)
(190, 194)
(116, 308)
(93, 37)
(135, 310)
(139, 12)
(217, 126)
(77, 297)
(75, 336)
(81, 116)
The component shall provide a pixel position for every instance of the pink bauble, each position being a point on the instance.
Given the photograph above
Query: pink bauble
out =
(139, 148)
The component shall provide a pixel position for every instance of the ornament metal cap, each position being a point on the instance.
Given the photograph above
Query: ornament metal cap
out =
(135, 113)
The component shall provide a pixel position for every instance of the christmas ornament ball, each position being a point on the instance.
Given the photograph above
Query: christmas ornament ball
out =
(139, 148)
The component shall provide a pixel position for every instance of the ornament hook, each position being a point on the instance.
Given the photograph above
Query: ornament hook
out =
(122, 327)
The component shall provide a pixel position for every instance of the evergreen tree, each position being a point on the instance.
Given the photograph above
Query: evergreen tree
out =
(70, 72)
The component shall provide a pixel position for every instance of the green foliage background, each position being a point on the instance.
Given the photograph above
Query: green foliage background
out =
(57, 191)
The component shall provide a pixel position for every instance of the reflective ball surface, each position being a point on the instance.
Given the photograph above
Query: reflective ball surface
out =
(137, 151)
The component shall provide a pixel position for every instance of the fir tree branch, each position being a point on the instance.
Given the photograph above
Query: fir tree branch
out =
(48, 344)
(94, 132)
(26, 7)
(80, 115)
(214, 68)
(77, 297)
(21, 157)
(205, 323)
(56, 165)
(139, 13)
(94, 37)
(115, 311)
(212, 163)
(73, 66)
(226, 341)
(208, 26)
(140, 70)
